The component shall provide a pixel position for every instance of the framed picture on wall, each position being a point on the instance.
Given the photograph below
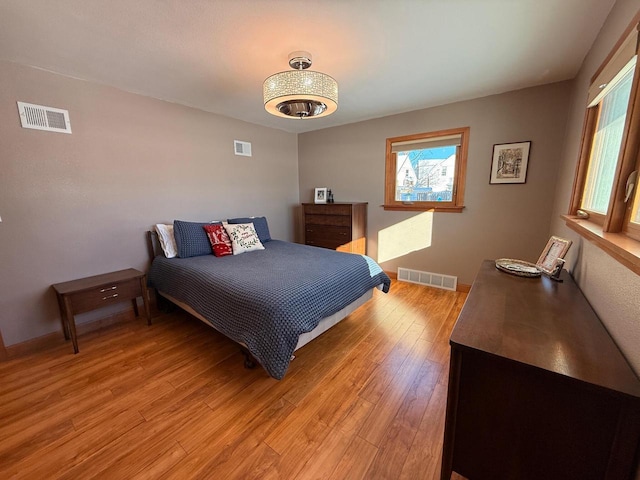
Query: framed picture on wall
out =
(320, 195)
(510, 162)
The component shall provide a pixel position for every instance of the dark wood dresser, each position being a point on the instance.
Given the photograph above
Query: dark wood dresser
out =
(537, 387)
(338, 226)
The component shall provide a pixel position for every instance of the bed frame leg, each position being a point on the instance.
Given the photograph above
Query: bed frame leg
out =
(249, 361)
(164, 305)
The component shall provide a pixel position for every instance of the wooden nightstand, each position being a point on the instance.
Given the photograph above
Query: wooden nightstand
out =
(86, 294)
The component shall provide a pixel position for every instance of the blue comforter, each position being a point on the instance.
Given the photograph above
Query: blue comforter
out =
(266, 298)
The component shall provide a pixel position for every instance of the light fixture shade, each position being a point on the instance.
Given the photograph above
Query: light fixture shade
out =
(300, 94)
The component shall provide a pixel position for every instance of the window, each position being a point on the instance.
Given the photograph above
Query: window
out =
(606, 141)
(426, 171)
(604, 185)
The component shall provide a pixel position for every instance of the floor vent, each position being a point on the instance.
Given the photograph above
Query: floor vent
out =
(40, 117)
(437, 280)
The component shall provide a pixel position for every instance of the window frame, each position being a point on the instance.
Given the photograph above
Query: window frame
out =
(456, 204)
(613, 232)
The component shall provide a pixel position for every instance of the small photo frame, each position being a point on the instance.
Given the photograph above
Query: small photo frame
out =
(320, 195)
(555, 250)
(510, 162)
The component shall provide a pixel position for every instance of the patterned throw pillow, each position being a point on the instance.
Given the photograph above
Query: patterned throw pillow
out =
(243, 237)
(220, 242)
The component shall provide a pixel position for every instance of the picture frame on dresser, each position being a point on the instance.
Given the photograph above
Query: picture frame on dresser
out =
(553, 254)
(320, 195)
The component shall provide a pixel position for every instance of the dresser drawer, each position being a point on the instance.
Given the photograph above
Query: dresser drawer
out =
(328, 209)
(338, 220)
(327, 236)
(104, 295)
(331, 244)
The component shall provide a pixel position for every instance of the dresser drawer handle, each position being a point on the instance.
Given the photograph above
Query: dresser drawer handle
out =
(108, 289)
(110, 296)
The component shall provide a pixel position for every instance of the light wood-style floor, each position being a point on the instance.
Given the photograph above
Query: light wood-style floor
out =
(173, 401)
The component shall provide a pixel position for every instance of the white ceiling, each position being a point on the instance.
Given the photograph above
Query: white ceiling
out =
(388, 56)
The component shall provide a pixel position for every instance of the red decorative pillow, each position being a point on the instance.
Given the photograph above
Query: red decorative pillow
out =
(220, 242)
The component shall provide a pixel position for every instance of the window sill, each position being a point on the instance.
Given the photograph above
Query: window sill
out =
(622, 248)
(424, 208)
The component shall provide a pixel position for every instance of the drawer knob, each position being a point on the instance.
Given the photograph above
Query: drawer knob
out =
(110, 296)
(108, 289)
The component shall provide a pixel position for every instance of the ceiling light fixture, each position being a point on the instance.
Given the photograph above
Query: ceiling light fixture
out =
(300, 93)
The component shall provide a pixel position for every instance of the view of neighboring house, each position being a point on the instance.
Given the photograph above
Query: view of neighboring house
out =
(426, 175)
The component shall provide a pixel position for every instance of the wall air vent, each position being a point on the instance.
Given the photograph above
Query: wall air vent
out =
(242, 148)
(437, 280)
(40, 117)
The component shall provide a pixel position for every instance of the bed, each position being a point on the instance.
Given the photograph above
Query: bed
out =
(271, 301)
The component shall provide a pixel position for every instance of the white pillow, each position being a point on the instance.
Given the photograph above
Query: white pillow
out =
(167, 240)
(243, 237)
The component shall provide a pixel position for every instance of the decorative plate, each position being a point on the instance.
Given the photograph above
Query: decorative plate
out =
(518, 267)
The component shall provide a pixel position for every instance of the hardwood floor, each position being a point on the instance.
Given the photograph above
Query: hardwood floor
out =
(173, 401)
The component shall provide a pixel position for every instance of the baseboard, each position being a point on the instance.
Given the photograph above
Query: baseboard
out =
(56, 339)
(460, 287)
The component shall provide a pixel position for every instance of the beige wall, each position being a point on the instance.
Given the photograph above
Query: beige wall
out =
(612, 289)
(78, 205)
(498, 221)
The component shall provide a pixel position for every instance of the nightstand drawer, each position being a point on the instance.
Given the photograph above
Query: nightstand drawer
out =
(104, 295)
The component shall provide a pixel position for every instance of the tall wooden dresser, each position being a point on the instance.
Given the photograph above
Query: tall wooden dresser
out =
(338, 226)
